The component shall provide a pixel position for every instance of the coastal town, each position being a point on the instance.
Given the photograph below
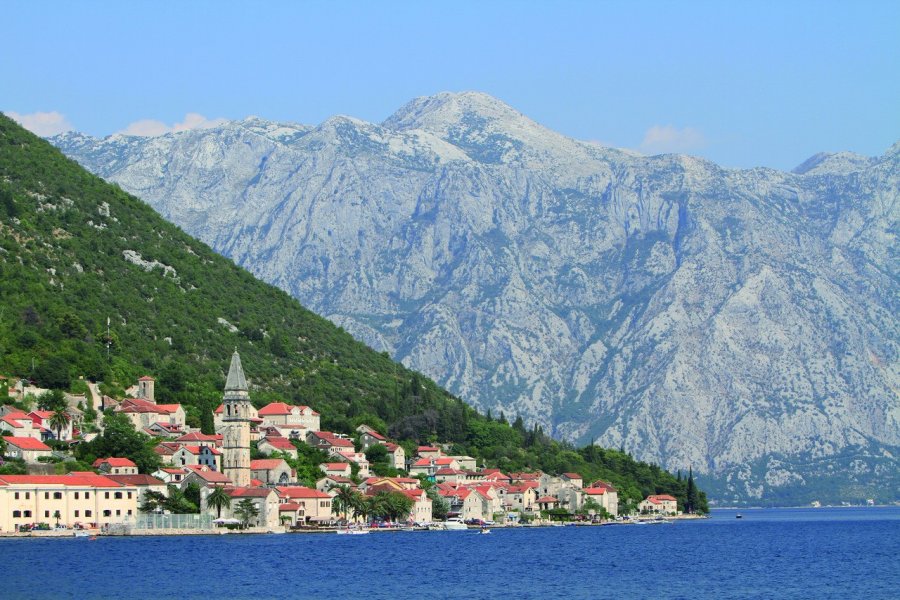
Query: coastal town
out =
(243, 477)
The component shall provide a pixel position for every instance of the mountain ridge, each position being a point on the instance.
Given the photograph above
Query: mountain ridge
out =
(663, 304)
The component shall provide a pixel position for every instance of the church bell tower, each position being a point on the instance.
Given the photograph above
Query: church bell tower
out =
(236, 420)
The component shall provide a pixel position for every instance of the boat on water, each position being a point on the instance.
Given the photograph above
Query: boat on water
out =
(739, 516)
(484, 531)
(82, 534)
(352, 531)
(455, 524)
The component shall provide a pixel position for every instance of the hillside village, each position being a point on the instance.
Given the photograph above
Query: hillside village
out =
(245, 474)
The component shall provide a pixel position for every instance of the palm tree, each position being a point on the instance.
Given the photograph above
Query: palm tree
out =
(343, 500)
(246, 511)
(361, 507)
(218, 499)
(58, 421)
(57, 516)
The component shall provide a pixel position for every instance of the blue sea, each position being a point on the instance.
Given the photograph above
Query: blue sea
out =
(768, 553)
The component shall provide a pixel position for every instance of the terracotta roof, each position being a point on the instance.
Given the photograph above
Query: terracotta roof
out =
(16, 421)
(114, 462)
(572, 476)
(78, 478)
(26, 443)
(422, 462)
(547, 500)
(300, 492)
(375, 435)
(136, 479)
(266, 464)
(337, 479)
(248, 492)
(200, 437)
(335, 466)
(281, 408)
(207, 474)
(428, 449)
(146, 378)
(448, 471)
(661, 498)
(391, 447)
(594, 491)
(282, 443)
(288, 507)
(603, 485)
(200, 449)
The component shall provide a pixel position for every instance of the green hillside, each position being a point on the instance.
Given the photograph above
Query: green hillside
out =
(75, 250)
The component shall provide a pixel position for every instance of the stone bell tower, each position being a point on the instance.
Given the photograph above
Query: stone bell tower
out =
(236, 420)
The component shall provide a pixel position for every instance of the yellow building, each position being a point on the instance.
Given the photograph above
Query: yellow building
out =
(80, 498)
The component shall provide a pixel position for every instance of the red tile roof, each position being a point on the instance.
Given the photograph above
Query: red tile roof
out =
(78, 478)
(375, 435)
(281, 408)
(300, 492)
(114, 462)
(281, 443)
(136, 479)
(248, 492)
(146, 378)
(336, 466)
(594, 491)
(572, 476)
(200, 437)
(288, 507)
(547, 500)
(266, 464)
(26, 443)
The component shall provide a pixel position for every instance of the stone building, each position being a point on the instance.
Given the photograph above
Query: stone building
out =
(236, 420)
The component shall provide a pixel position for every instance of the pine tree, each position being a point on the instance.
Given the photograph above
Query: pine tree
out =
(207, 421)
(690, 503)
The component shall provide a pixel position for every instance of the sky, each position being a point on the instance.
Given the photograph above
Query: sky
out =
(745, 84)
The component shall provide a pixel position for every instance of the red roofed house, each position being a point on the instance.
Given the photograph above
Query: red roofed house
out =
(547, 503)
(357, 458)
(341, 469)
(521, 497)
(272, 471)
(662, 504)
(329, 483)
(19, 424)
(41, 420)
(201, 439)
(327, 441)
(368, 437)
(143, 413)
(172, 475)
(282, 415)
(428, 451)
(396, 456)
(198, 455)
(314, 506)
(608, 500)
(203, 476)
(115, 466)
(270, 444)
(81, 498)
(26, 448)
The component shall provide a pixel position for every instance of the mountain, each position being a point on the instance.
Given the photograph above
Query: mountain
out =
(742, 322)
(82, 263)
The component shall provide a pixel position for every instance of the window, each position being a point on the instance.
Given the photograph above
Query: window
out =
(77, 513)
(27, 514)
(88, 513)
(46, 495)
(129, 511)
(16, 496)
(107, 513)
(57, 495)
(76, 495)
(118, 495)
(27, 495)
(46, 514)
(118, 512)
(129, 495)
(106, 495)
(17, 514)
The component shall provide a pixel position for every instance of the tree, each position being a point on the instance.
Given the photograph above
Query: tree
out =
(52, 400)
(120, 439)
(439, 505)
(53, 373)
(246, 511)
(218, 499)
(59, 420)
(207, 422)
(2, 447)
(344, 499)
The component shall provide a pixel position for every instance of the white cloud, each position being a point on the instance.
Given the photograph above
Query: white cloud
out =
(150, 127)
(42, 123)
(661, 139)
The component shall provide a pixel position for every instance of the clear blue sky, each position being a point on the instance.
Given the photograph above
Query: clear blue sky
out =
(742, 83)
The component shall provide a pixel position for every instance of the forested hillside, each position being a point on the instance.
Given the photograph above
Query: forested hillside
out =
(76, 251)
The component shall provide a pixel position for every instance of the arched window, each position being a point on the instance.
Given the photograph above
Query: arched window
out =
(57, 495)
(118, 495)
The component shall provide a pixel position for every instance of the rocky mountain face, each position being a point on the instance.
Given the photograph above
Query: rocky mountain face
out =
(743, 322)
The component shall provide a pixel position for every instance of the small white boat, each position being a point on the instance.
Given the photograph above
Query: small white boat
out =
(82, 534)
(352, 531)
(484, 531)
(455, 524)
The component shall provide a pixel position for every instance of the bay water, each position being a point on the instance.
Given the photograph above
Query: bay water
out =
(768, 553)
